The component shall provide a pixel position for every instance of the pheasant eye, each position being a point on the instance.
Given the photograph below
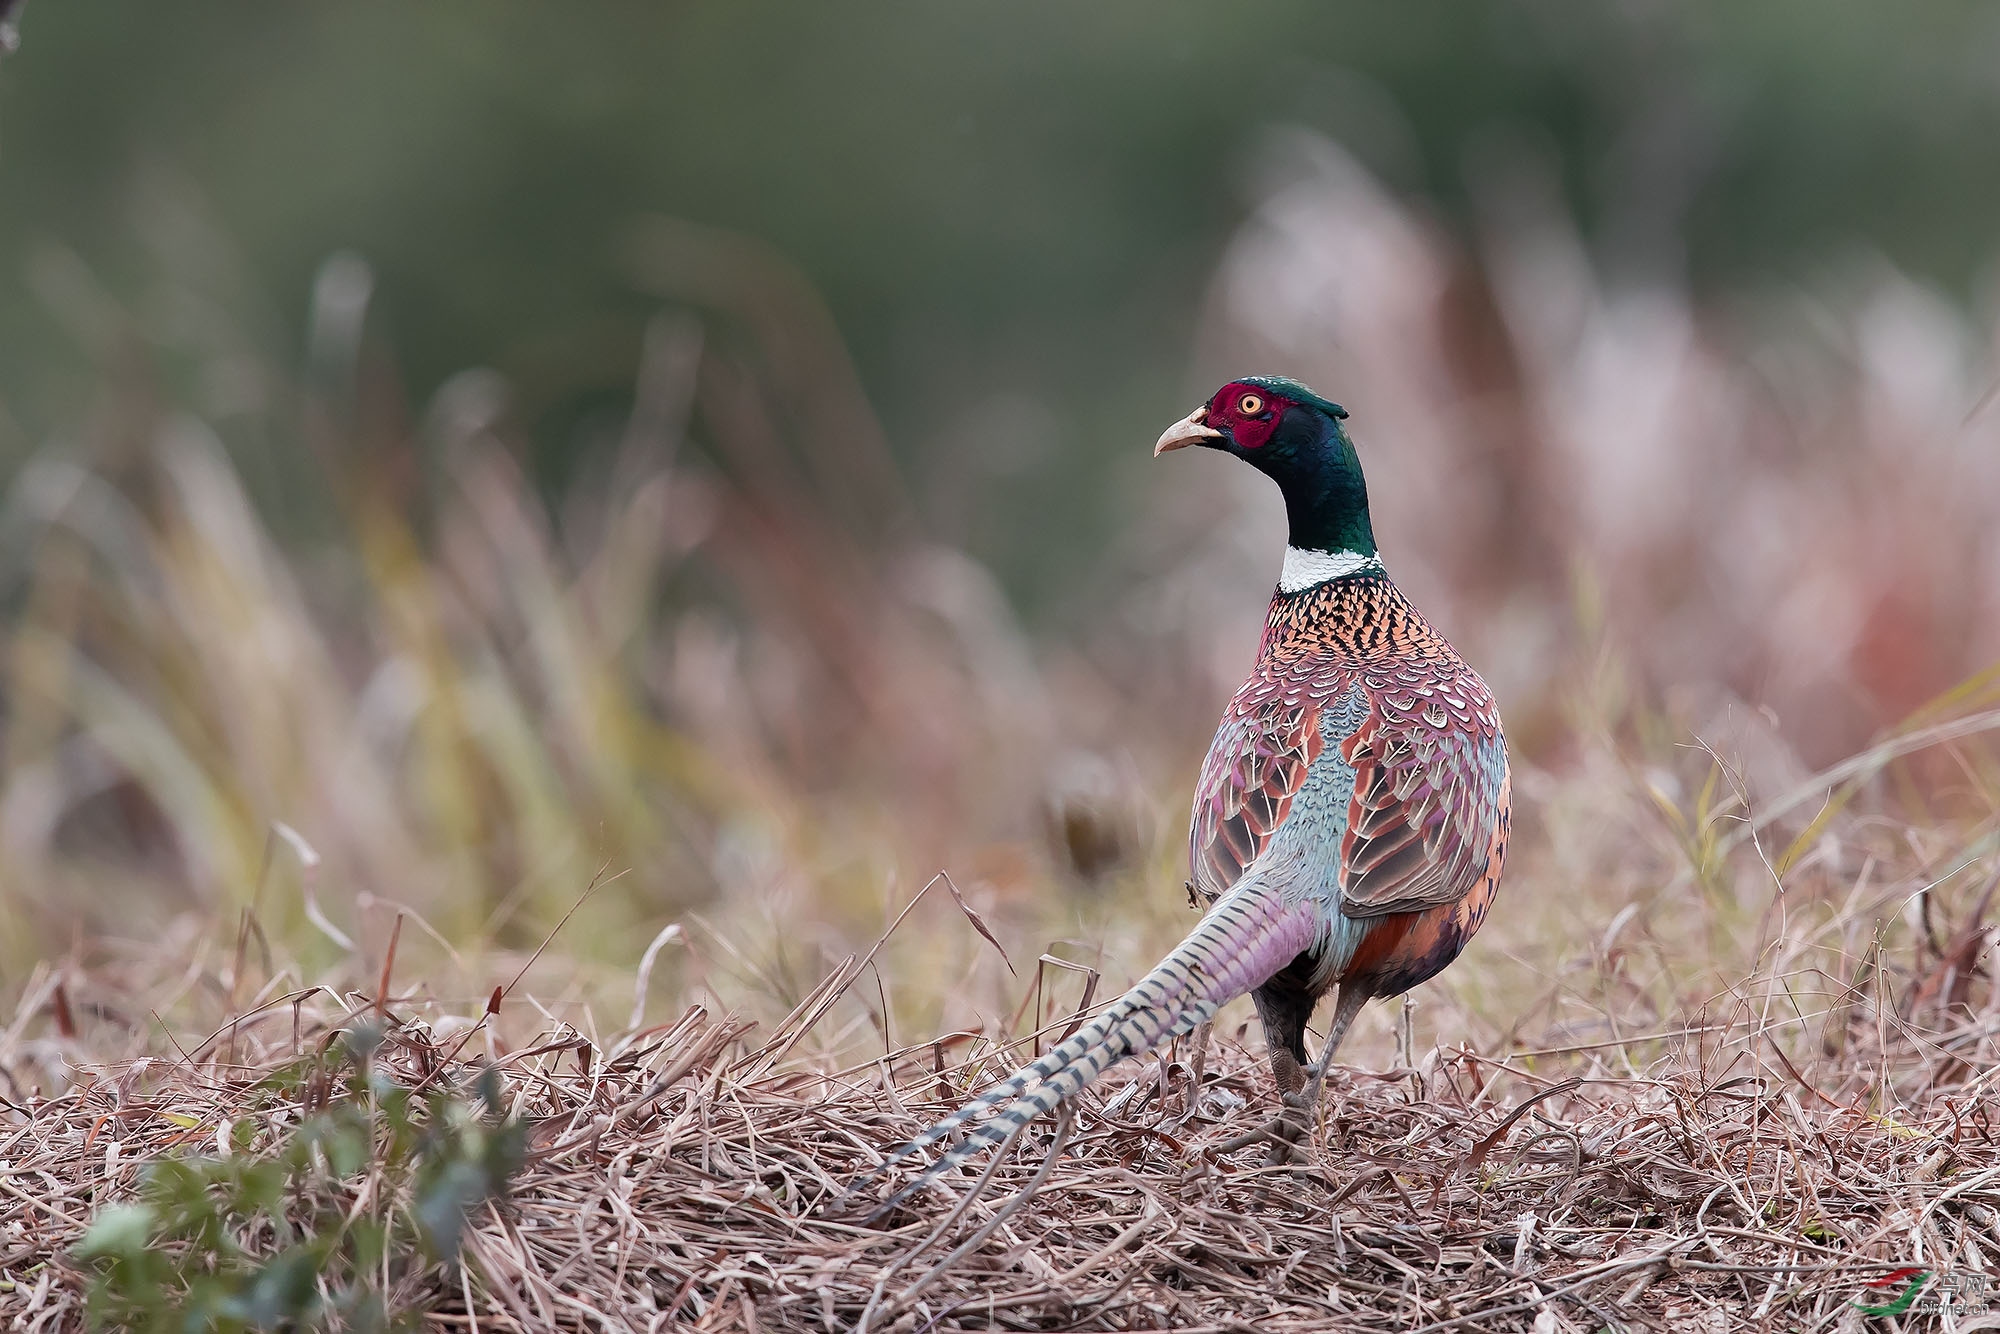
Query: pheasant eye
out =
(1250, 405)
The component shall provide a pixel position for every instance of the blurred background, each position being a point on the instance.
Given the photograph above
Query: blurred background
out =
(457, 455)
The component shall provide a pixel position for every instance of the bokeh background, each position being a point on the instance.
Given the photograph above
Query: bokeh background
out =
(459, 454)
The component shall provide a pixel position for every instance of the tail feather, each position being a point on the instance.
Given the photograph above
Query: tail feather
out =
(1248, 936)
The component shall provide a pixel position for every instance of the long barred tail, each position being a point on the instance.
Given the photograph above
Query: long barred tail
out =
(1243, 940)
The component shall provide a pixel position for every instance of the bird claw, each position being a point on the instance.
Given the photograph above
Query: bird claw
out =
(1283, 1132)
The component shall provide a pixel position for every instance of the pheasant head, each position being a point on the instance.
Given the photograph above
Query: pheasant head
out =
(1294, 437)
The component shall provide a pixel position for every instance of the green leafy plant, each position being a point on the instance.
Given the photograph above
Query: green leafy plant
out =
(335, 1226)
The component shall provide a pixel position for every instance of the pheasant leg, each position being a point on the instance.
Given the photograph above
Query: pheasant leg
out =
(1285, 1131)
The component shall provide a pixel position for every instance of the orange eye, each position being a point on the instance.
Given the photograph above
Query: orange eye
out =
(1250, 405)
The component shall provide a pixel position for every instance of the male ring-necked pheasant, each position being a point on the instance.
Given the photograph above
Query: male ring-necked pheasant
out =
(1351, 817)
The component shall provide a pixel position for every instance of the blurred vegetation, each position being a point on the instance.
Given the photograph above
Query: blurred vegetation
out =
(1010, 213)
(687, 465)
(329, 1223)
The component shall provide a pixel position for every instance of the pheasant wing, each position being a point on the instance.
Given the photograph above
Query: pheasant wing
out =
(1429, 771)
(1256, 764)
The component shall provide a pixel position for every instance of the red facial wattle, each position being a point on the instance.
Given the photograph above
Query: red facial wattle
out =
(1247, 413)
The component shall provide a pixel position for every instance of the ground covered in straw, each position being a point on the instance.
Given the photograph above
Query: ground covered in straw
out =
(692, 1175)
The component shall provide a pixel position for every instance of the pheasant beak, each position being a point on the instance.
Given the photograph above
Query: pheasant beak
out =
(1192, 429)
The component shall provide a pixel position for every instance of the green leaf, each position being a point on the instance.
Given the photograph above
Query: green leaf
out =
(443, 1203)
(363, 1312)
(119, 1229)
(368, 1242)
(282, 1291)
(490, 1091)
(260, 1188)
(361, 1042)
(347, 1149)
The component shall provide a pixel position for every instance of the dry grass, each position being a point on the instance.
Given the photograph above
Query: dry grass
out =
(1645, 1150)
(243, 783)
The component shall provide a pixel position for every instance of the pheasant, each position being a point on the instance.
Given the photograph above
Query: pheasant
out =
(1350, 820)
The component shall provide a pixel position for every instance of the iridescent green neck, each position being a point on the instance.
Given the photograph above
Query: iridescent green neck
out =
(1326, 499)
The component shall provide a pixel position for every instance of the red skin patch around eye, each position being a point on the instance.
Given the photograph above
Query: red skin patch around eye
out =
(1252, 432)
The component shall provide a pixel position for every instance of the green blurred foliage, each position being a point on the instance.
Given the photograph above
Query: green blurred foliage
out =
(1019, 202)
(320, 1228)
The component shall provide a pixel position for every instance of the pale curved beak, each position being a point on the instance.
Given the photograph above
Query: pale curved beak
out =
(1192, 429)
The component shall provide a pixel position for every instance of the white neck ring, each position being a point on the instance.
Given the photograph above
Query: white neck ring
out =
(1305, 567)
